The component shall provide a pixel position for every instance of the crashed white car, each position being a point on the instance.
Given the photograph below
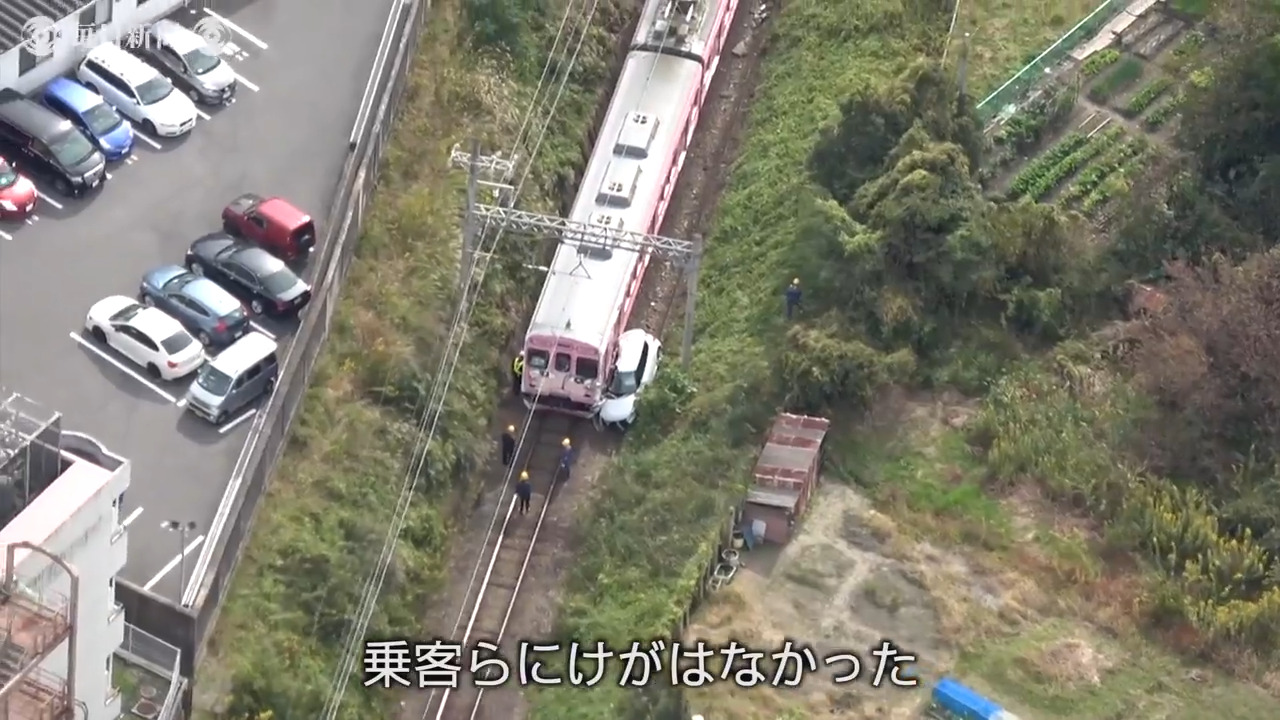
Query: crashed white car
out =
(636, 367)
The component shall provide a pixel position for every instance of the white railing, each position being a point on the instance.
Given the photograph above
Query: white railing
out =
(150, 653)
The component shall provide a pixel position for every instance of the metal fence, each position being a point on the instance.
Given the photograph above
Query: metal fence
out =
(150, 653)
(343, 229)
(1006, 98)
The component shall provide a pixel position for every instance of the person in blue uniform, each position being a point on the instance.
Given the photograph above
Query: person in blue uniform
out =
(508, 446)
(524, 491)
(566, 457)
(793, 297)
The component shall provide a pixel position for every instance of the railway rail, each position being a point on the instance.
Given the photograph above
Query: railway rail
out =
(488, 608)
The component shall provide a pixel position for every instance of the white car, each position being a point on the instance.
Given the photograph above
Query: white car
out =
(146, 336)
(636, 366)
(138, 91)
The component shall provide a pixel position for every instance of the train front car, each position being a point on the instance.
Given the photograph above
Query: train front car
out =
(591, 288)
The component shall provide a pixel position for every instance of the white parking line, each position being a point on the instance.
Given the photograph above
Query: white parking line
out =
(182, 401)
(108, 176)
(155, 388)
(146, 139)
(245, 82)
(49, 200)
(226, 428)
(232, 26)
(169, 566)
(5, 236)
(32, 220)
(131, 160)
(203, 115)
(262, 330)
(132, 516)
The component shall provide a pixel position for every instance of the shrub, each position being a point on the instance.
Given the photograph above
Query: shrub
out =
(1041, 165)
(1162, 114)
(1045, 182)
(1099, 61)
(1095, 174)
(1146, 97)
(1125, 74)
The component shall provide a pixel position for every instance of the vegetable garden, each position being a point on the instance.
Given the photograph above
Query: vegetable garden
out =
(1083, 137)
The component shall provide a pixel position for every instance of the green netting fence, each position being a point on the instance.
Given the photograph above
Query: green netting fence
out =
(1014, 90)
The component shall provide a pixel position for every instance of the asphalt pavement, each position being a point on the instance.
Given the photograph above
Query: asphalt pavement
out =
(303, 65)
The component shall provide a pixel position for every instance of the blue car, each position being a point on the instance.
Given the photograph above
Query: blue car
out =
(89, 112)
(212, 314)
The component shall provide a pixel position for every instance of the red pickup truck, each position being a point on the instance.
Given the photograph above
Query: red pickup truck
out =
(273, 223)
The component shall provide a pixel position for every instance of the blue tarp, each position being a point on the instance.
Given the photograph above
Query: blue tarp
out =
(964, 703)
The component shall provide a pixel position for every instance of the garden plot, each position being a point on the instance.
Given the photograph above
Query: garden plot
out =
(1092, 128)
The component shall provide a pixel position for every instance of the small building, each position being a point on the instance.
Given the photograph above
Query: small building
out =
(61, 544)
(785, 475)
(66, 30)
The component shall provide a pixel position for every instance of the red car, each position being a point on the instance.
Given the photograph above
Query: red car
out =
(272, 223)
(17, 193)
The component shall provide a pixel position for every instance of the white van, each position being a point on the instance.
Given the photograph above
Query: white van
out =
(138, 91)
(239, 375)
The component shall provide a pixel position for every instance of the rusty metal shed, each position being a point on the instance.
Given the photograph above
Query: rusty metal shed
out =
(786, 473)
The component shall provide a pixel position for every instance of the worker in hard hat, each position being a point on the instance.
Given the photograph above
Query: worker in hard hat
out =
(566, 457)
(524, 491)
(793, 297)
(517, 372)
(508, 445)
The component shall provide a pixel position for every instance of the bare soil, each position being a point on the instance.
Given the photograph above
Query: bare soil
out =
(697, 192)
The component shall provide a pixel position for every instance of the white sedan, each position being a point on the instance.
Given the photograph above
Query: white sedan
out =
(636, 367)
(146, 336)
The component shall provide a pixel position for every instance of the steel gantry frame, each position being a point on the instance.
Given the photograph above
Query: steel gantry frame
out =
(496, 173)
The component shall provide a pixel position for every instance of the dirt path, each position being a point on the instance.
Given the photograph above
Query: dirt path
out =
(696, 195)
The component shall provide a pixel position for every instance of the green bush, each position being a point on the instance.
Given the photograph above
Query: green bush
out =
(1099, 61)
(1146, 97)
(1094, 175)
(1125, 74)
(1162, 114)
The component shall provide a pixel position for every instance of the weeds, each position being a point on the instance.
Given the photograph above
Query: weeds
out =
(1127, 72)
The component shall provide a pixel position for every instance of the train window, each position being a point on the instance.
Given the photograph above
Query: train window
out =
(588, 368)
(563, 362)
(538, 359)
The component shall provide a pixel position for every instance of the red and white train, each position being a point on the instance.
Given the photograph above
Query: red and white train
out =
(586, 303)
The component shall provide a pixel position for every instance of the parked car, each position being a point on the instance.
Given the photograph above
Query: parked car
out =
(88, 111)
(146, 336)
(239, 375)
(209, 312)
(40, 143)
(185, 58)
(138, 91)
(636, 367)
(272, 223)
(249, 272)
(17, 193)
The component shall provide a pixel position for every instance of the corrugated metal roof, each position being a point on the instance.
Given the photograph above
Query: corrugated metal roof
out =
(16, 13)
(785, 499)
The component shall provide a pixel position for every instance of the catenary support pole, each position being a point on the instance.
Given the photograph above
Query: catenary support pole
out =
(469, 229)
(692, 268)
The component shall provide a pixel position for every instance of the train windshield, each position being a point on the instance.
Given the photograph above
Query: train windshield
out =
(538, 359)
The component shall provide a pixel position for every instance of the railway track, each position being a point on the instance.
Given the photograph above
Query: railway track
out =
(505, 559)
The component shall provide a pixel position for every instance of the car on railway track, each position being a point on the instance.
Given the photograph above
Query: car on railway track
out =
(272, 223)
(636, 367)
(208, 311)
(146, 336)
(250, 273)
(18, 196)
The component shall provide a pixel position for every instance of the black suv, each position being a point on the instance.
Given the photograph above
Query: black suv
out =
(43, 144)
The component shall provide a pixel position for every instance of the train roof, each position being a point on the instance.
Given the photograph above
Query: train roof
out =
(622, 186)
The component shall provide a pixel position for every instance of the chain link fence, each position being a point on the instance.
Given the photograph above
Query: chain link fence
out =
(1006, 99)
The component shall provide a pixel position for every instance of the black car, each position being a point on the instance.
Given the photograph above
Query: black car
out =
(42, 144)
(258, 277)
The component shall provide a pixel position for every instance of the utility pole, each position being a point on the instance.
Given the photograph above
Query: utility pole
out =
(498, 172)
(183, 529)
(690, 301)
(964, 65)
(591, 239)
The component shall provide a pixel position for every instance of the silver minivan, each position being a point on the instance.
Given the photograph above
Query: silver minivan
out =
(244, 372)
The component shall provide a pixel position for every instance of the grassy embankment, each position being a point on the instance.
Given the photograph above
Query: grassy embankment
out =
(652, 524)
(327, 512)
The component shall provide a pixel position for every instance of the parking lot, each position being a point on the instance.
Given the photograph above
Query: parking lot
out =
(302, 67)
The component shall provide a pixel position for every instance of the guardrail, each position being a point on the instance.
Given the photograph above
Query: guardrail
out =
(189, 626)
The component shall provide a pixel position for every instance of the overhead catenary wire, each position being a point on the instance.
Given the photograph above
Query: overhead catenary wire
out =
(430, 417)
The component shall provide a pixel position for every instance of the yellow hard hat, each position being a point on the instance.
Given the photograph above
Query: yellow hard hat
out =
(511, 428)
(524, 474)
(565, 442)
(795, 281)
